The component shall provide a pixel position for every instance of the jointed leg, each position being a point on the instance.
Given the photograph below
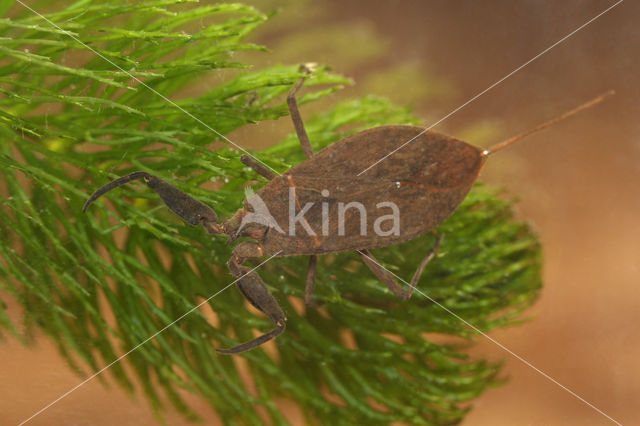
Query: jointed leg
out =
(389, 280)
(189, 209)
(308, 152)
(263, 171)
(252, 287)
(311, 280)
(295, 115)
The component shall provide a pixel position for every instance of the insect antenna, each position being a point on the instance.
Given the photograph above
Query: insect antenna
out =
(539, 127)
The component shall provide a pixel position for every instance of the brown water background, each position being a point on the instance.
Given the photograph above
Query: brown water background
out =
(578, 186)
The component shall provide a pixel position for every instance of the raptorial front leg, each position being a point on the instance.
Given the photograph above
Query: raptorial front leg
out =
(253, 288)
(189, 209)
(389, 280)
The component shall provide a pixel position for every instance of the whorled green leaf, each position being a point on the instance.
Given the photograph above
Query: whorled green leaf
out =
(101, 283)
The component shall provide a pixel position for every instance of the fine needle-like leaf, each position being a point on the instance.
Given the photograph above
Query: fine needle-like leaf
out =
(101, 283)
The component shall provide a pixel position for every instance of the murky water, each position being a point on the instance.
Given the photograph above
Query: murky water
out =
(577, 184)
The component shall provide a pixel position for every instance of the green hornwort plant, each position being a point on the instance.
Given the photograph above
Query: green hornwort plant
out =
(101, 283)
(422, 185)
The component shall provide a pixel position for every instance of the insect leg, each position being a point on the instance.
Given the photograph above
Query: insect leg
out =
(252, 287)
(311, 280)
(308, 152)
(389, 280)
(189, 209)
(260, 169)
(295, 115)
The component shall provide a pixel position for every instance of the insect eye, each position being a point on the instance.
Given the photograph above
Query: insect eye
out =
(256, 234)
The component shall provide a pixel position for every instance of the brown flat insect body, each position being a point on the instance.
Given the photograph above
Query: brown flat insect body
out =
(432, 174)
(326, 205)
